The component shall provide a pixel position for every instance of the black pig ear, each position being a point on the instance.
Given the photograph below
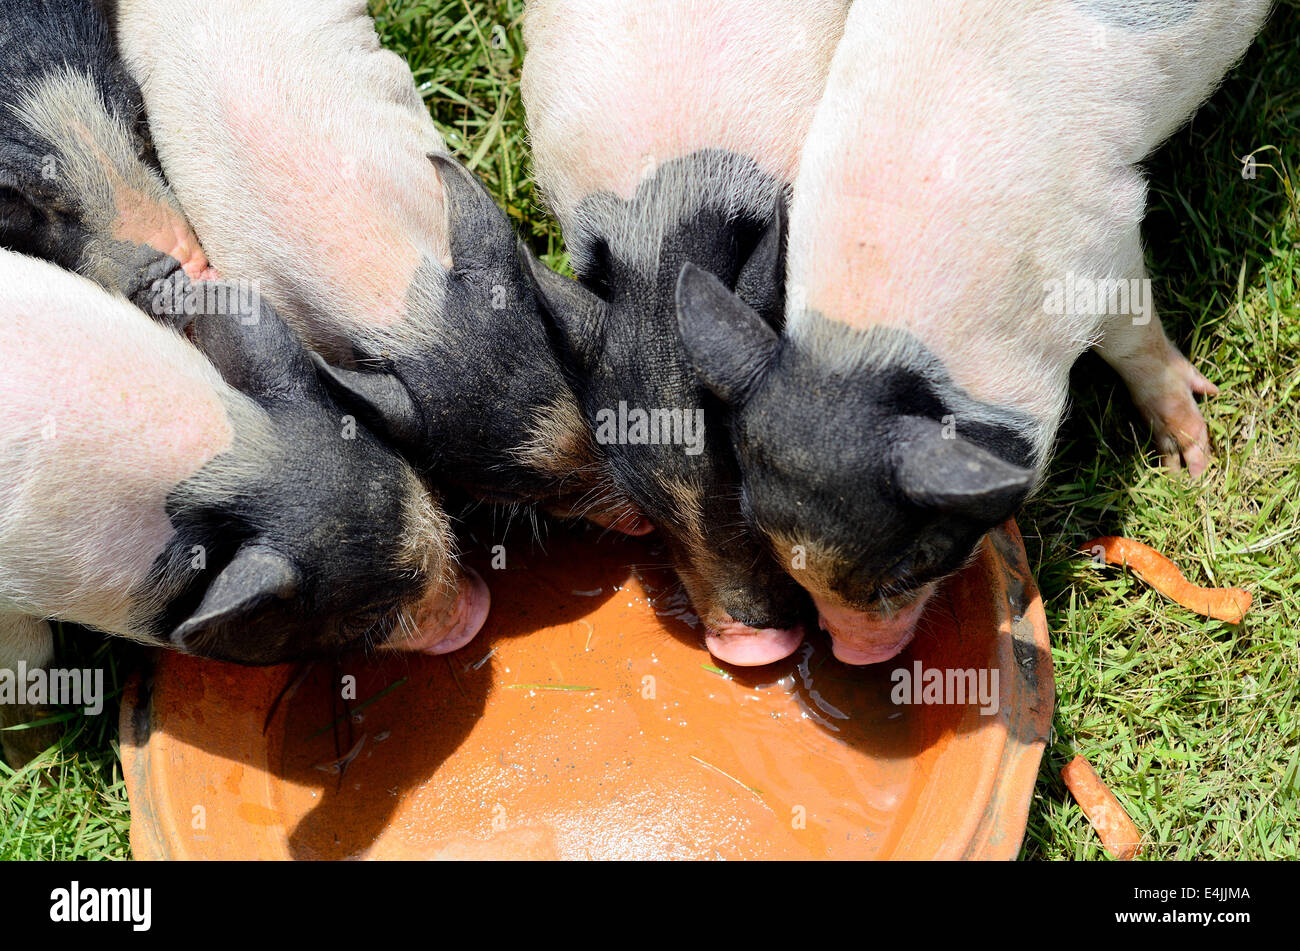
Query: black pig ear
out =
(257, 353)
(380, 400)
(575, 312)
(728, 343)
(940, 471)
(255, 577)
(761, 283)
(479, 230)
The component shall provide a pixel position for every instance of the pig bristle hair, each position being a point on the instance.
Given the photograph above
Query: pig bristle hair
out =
(612, 104)
(24, 639)
(561, 441)
(352, 87)
(946, 199)
(95, 160)
(427, 546)
(54, 560)
(635, 233)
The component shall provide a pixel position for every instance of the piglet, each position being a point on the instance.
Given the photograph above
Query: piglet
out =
(666, 132)
(143, 495)
(305, 157)
(964, 224)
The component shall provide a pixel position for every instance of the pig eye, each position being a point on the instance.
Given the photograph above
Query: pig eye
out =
(16, 212)
(903, 586)
(895, 600)
(596, 279)
(375, 622)
(356, 626)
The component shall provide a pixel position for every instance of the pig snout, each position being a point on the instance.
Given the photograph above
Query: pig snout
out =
(740, 645)
(749, 611)
(444, 624)
(871, 637)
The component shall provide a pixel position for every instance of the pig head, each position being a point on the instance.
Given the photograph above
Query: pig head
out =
(617, 333)
(860, 475)
(332, 537)
(144, 496)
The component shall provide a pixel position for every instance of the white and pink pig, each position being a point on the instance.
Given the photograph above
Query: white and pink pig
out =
(965, 223)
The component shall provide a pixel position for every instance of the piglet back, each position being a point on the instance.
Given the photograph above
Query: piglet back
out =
(340, 233)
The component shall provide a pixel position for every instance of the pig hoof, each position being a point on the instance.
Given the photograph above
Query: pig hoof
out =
(1179, 427)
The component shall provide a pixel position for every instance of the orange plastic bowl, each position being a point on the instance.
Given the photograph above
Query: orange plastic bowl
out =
(587, 721)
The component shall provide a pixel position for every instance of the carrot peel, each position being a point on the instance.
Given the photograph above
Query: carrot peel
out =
(1118, 833)
(1222, 604)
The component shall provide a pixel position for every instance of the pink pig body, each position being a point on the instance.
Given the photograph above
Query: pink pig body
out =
(306, 164)
(107, 412)
(617, 91)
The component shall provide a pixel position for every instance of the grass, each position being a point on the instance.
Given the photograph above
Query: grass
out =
(70, 802)
(1194, 724)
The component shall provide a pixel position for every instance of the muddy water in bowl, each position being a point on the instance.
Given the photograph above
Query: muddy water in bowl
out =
(587, 721)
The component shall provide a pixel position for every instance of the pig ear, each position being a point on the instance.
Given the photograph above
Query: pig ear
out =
(575, 312)
(761, 283)
(255, 577)
(256, 353)
(476, 225)
(940, 471)
(380, 400)
(728, 343)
